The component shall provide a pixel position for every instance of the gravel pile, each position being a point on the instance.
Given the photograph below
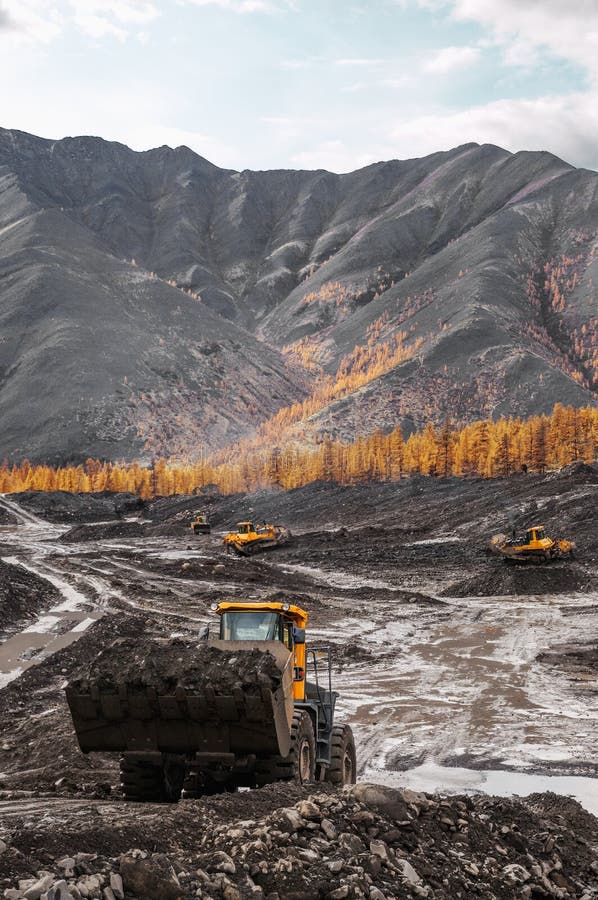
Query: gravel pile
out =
(370, 842)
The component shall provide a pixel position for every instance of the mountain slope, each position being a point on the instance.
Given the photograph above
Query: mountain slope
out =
(464, 280)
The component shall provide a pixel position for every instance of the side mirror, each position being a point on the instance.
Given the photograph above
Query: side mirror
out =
(298, 635)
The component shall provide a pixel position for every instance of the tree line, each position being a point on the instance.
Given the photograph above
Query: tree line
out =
(484, 448)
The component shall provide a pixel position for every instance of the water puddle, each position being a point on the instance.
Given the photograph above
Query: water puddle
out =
(433, 778)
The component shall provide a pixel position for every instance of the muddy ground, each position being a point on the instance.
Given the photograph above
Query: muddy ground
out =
(456, 671)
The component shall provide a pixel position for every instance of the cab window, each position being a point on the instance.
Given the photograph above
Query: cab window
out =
(249, 626)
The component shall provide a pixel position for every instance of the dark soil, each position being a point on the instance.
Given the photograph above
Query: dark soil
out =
(168, 664)
(104, 531)
(509, 578)
(22, 596)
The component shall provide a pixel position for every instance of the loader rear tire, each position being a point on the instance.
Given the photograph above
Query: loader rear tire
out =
(300, 764)
(150, 780)
(343, 759)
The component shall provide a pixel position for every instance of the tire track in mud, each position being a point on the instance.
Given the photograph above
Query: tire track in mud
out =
(470, 689)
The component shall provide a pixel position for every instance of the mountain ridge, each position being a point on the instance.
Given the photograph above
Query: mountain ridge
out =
(172, 305)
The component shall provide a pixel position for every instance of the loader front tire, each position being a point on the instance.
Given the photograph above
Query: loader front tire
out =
(343, 760)
(300, 764)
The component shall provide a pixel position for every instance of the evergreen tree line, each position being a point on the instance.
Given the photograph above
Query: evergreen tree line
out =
(484, 448)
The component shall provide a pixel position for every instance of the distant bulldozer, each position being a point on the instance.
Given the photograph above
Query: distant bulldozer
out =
(201, 524)
(535, 547)
(249, 538)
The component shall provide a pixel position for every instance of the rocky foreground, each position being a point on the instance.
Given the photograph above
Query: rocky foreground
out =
(284, 842)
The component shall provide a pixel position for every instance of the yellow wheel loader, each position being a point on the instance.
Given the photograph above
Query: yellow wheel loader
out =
(248, 708)
(535, 547)
(201, 525)
(249, 538)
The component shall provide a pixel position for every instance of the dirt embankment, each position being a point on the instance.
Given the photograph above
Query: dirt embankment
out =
(63, 507)
(22, 597)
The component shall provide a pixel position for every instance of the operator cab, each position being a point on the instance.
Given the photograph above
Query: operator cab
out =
(244, 527)
(260, 625)
(535, 534)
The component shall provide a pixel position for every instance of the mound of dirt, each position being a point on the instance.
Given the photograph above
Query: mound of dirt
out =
(503, 579)
(62, 506)
(22, 596)
(168, 664)
(103, 531)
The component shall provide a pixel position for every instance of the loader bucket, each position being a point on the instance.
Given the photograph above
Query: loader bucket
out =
(184, 697)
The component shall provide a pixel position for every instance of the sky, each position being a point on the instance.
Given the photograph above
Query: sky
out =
(334, 84)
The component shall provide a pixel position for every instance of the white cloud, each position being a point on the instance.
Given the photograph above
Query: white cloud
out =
(451, 59)
(30, 21)
(41, 21)
(567, 28)
(245, 6)
(568, 125)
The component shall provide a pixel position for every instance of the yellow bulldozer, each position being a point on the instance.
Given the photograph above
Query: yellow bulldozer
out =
(248, 538)
(535, 547)
(253, 706)
(201, 524)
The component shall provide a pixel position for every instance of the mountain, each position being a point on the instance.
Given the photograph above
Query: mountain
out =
(153, 303)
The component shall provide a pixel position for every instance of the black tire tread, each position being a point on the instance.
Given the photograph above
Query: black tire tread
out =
(341, 738)
(285, 768)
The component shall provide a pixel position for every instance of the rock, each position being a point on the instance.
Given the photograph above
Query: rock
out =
(379, 848)
(516, 873)
(328, 828)
(229, 891)
(288, 820)
(3, 847)
(351, 842)
(108, 894)
(386, 800)
(39, 887)
(13, 894)
(59, 891)
(308, 810)
(408, 872)
(67, 866)
(339, 893)
(149, 879)
(221, 862)
(219, 569)
(335, 866)
(307, 855)
(116, 883)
